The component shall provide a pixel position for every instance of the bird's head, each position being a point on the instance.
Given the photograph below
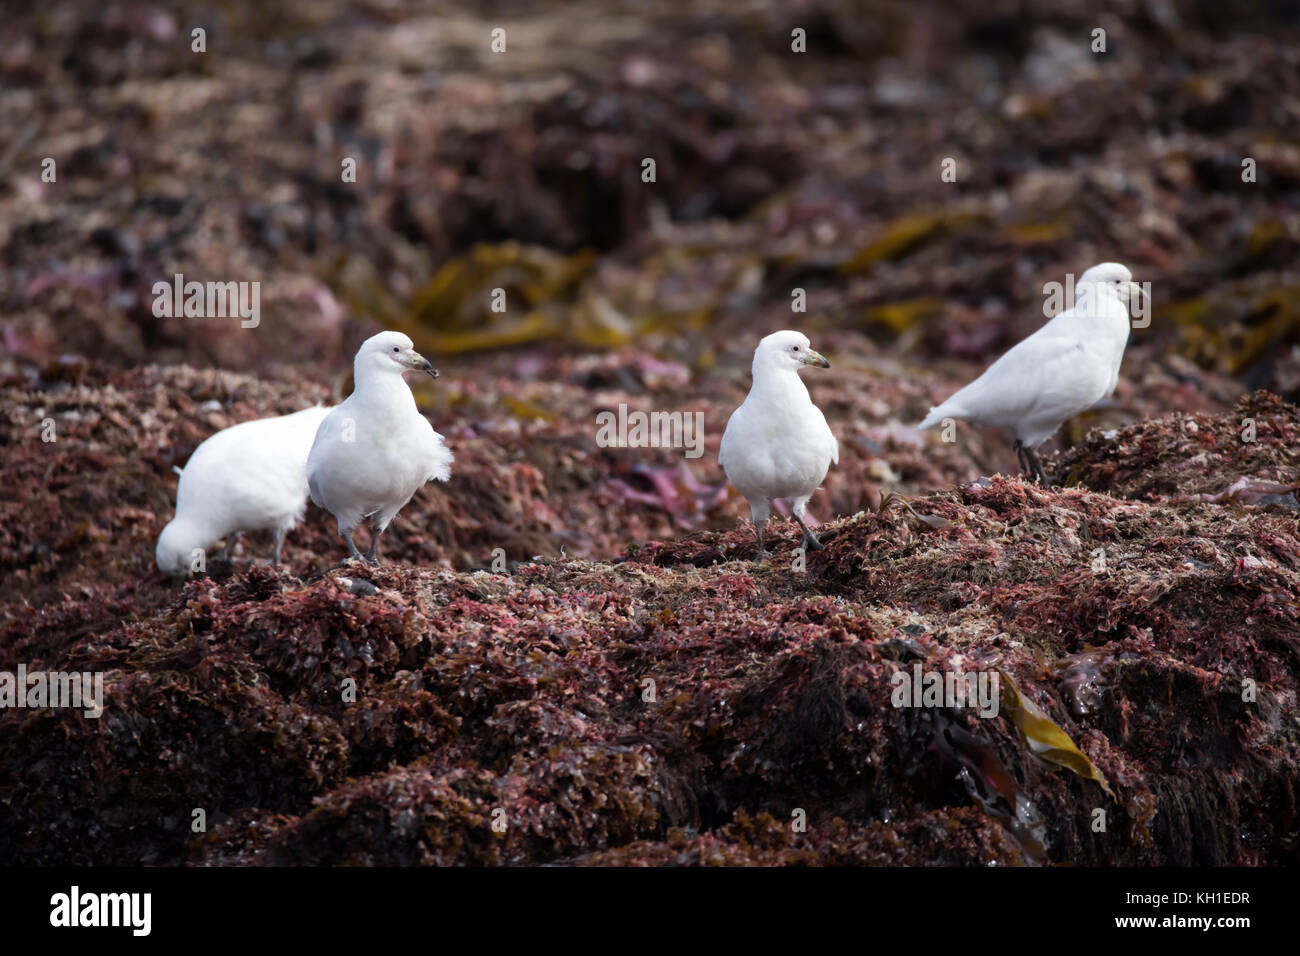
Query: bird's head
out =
(1110, 275)
(176, 544)
(786, 350)
(392, 353)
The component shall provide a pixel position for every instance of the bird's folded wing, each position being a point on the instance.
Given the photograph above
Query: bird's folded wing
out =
(313, 488)
(1042, 375)
(326, 435)
(835, 444)
(728, 436)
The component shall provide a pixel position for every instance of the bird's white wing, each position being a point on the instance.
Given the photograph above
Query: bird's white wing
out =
(835, 444)
(729, 437)
(1041, 377)
(324, 449)
(251, 475)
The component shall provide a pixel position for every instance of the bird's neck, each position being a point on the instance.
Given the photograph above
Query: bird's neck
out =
(1103, 307)
(194, 531)
(778, 386)
(383, 390)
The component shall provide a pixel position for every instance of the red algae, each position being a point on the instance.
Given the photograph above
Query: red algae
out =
(569, 657)
(684, 705)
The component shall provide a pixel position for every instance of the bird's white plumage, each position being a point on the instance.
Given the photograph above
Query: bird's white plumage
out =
(375, 450)
(249, 477)
(1066, 367)
(777, 443)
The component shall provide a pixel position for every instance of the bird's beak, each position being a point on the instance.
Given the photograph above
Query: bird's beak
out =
(1129, 291)
(815, 358)
(414, 360)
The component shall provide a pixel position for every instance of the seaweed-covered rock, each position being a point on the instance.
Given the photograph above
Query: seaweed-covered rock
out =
(683, 705)
(570, 658)
(1197, 454)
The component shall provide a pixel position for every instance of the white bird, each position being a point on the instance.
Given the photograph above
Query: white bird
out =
(376, 450)
(249, 477)
(1066, 367)
(777, 443)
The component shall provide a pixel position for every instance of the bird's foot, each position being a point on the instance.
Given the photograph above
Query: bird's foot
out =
(1036, 468)
(1020, 457)
(370, 559)
(810, 540)
(228, 552)
(762, 554)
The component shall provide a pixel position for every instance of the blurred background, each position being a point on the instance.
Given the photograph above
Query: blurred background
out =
(775, 170)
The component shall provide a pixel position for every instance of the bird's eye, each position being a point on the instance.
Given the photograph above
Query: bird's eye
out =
(795, 347)
(396, 349)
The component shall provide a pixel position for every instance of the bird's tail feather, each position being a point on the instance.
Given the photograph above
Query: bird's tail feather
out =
(937, 414)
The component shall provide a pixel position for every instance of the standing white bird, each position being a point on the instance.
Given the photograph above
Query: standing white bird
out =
(249, 477)
(777, 443)
(1066, 367)
(376, 450)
